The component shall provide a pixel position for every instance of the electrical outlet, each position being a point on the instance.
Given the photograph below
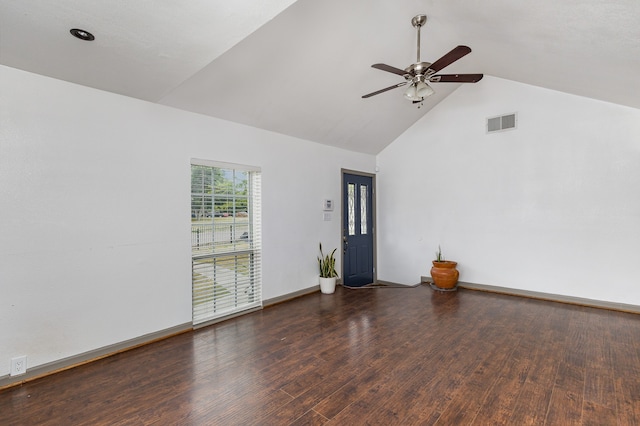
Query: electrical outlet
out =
(18, 365)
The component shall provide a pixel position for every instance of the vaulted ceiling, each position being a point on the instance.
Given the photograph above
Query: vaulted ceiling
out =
(300, 67)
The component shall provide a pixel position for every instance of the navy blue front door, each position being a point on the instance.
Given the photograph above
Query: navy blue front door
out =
(357, 232)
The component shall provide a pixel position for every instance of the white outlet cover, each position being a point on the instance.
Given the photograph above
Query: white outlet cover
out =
(18, 365)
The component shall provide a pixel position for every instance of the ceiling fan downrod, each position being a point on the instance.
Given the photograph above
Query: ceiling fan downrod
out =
(418, 21)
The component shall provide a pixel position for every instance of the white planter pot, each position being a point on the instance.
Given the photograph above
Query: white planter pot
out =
(327, 285)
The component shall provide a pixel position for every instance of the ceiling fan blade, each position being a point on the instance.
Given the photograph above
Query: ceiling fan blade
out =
(456, 78)
(389, 68)
(385, 89)
(455, 54)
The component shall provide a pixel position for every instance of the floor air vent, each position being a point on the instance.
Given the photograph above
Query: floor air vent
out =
(500, 123)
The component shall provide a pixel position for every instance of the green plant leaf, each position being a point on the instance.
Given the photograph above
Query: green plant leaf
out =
(327, 264)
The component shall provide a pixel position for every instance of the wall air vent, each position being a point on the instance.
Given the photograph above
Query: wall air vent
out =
(500, 123)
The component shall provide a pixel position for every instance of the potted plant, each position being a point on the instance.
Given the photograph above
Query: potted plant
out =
(328, 274)
(444, 272)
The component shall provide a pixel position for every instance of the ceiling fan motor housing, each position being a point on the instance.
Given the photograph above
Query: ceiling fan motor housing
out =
(419, 68)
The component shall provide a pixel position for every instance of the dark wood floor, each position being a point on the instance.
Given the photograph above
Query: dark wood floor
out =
(378, 356)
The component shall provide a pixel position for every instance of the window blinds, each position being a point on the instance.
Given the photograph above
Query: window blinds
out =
(225, 239)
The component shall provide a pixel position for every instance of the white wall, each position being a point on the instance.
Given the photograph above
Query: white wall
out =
(94, 219)
(553, 206)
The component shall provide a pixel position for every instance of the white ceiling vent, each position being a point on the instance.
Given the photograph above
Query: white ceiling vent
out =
(500, 123)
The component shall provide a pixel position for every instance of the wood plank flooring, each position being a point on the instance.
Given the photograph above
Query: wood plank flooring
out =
(381, 356)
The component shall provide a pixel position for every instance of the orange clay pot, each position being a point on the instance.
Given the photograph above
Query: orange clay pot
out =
(444, 274)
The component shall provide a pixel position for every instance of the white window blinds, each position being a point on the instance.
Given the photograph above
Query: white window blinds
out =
(225, 239)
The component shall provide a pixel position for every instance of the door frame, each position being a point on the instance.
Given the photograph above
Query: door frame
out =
(373, 216)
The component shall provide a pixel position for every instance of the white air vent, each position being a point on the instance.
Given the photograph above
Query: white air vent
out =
(500, 123)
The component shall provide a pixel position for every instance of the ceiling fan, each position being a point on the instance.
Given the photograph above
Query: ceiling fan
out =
(417, 75)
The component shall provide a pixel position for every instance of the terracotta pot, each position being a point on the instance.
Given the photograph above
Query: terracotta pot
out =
(444, 274)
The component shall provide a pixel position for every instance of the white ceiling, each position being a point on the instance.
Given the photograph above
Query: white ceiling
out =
(300, 67)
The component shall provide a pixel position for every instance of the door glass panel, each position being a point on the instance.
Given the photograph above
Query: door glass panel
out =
(351, 206)
(363, 209)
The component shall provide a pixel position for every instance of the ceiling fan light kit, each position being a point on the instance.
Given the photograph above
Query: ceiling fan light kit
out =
(411, 93)
(418, 91)
(418, 74)
(423, 90)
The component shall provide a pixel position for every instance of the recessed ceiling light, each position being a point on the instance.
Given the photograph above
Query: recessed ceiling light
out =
(82, 34)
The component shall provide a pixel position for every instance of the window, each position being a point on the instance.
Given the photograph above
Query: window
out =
(225, 239)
